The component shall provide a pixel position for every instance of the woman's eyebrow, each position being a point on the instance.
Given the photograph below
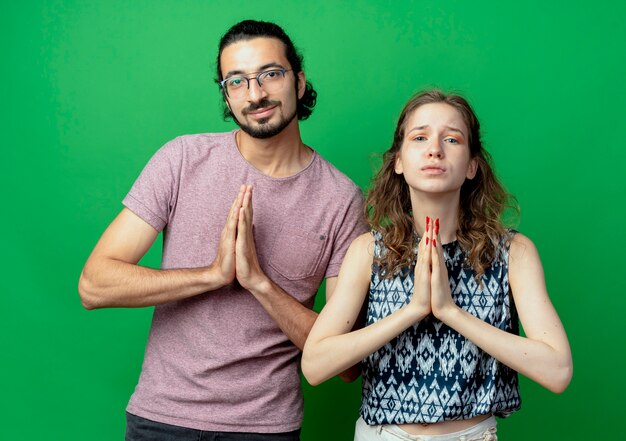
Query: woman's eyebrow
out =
(449, 128)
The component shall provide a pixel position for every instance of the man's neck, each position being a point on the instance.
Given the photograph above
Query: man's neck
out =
(279, 156)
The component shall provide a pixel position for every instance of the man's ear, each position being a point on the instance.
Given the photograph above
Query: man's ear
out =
(301, 84)
(227, 103)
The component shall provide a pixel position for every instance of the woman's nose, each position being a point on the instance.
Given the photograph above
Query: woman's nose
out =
(435, 150)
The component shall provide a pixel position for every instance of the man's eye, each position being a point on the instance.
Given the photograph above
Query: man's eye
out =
(235, 82)
(271, 74)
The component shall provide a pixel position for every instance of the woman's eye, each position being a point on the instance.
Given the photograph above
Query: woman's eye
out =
(452, 140)
(419, 138)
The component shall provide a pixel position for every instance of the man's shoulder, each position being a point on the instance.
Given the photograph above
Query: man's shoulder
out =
(216, 139)
(197, 146)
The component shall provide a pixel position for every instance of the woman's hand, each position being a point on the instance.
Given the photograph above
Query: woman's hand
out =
(420, 303)
(440, 296)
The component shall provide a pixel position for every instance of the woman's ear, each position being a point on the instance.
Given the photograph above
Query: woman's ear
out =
(397, 165)
(472, 168)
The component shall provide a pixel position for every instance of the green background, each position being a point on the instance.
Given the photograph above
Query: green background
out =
(91, 89)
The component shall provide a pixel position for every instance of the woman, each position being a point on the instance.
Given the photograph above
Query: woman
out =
(444, 284)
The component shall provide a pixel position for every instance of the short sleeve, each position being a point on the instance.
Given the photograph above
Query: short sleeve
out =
(154, 193)
(352, 225)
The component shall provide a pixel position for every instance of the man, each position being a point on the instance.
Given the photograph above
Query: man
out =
(234, 293)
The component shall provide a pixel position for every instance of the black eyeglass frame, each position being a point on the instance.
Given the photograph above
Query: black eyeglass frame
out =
(256, 77)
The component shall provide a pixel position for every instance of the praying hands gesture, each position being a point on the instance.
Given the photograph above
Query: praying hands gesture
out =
(431, 289)
(236, 256)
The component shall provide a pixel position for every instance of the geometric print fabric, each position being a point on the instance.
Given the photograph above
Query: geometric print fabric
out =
(430, 373)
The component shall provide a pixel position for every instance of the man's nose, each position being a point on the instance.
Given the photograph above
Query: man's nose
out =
(255, 91)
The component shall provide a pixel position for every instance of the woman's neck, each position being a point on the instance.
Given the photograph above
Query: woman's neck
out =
(444, 207)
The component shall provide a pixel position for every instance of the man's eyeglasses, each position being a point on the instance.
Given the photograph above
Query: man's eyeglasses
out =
(271, 80)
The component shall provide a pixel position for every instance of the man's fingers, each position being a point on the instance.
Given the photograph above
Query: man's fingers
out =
(233, 214)
(247, 202)
(242, 227)
(247, 195)
(238, 200)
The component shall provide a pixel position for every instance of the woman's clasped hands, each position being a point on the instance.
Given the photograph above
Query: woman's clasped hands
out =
(431, 290)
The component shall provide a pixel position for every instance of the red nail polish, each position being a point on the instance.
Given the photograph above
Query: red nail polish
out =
(437, 226)
(434, 243)
(426, 241)
(427, 222)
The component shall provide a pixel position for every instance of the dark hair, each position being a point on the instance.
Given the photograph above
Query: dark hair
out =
(483, 198)
(249, 29)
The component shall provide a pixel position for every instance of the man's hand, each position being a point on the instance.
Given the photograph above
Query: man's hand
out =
(224, 263)
(248, 271)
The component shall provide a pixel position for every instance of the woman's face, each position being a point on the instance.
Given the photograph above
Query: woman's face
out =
(435, 155)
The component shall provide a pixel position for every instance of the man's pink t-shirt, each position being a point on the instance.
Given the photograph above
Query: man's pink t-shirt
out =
(217, 361)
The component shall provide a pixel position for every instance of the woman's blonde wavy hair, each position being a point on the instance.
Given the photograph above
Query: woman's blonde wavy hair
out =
(482, 203)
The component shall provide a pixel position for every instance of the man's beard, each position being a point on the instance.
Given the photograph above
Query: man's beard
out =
(264, 130)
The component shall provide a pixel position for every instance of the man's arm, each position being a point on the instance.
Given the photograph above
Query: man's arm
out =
(291, 316)
(112, 278)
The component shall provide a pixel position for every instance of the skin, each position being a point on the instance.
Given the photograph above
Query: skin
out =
(543, 355)
(111, 276)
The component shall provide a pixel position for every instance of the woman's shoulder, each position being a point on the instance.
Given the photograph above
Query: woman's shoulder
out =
(364, 242)
(360, 255)
(521, 247)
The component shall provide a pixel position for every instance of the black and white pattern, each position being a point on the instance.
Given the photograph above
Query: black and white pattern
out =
(430, 373)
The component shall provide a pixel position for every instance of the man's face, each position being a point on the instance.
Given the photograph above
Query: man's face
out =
(259, 113)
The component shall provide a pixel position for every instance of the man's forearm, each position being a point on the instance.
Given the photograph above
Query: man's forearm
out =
(292, 317)
(107, 282)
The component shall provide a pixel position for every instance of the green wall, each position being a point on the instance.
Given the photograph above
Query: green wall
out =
(90, 89)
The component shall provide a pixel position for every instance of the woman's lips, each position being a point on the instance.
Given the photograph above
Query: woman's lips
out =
(433, 170)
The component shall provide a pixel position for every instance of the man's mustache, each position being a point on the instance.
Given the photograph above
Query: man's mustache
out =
(260, 105)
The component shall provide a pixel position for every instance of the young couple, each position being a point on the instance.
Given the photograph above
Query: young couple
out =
(427, 303)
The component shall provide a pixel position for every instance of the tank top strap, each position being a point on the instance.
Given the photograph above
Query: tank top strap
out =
(379, 244)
